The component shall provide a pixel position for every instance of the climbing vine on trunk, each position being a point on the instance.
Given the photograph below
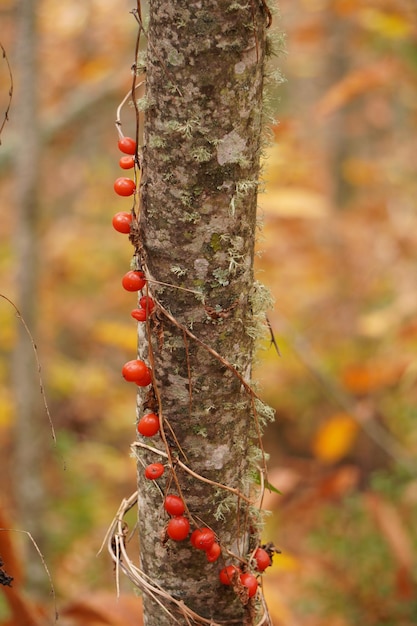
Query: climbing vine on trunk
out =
(201, 466)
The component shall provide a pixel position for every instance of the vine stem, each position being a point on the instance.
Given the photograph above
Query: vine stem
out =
(118, 122)
(162, 420)
(9, 104)
(38, 363)
(253, 395)
(236, 492)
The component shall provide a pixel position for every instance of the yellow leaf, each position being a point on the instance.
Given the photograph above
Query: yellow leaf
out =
(66, 376)
(360, 172)
(116, 334)
(6, 408)
(335, 438)
(286, 562)
(389, 25)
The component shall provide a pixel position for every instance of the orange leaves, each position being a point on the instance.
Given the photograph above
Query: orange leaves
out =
(335, 438)
(344, 8)
(366, 378)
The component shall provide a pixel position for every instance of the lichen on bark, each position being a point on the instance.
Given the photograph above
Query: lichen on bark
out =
(198, 194)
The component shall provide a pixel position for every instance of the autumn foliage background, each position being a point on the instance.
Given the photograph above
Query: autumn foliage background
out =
(338, 249)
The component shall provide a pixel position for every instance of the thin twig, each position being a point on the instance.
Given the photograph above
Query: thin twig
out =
(215, 354)
(35, 351)
(210, 350)
(159, 282)
(273, 340)
(135, 76)
(121, 105)
(162, 420)
(138, 17)
(6, 113)
(236, 492)
(268, 13)
(190, 386)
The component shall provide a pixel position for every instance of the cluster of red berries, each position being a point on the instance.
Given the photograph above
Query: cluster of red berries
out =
(205, 539)
(136, 371)
(146, 306)
(178, 527)
(231, 574)
(126, 186)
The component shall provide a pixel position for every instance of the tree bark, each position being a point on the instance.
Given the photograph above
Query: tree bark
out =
(195, 242)
(29, 435)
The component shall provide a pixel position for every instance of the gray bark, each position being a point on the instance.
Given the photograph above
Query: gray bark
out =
(30, 429)
(196, 232)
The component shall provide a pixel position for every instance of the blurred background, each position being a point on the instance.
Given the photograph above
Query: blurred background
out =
(338, 250)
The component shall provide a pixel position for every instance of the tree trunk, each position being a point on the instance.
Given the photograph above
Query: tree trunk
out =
(28, 487)
(195, 242)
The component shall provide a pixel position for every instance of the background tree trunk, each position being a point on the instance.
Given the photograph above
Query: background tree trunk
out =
(202, 136)
(30, 431)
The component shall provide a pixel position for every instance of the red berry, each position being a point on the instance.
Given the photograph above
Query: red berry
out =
(228, 574)
(213, 553)
(121, 222)
(178, 528)
(154, 470)
(263, 560)
(127, 145)
(174, 505)
(145, 380)
(134, 281)
(248, 580)
(147, 303)
(194, 537)
(124, 186)
(205, 539)
(148, 425)
(135, 371)
(127, 162)
(139, 314)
